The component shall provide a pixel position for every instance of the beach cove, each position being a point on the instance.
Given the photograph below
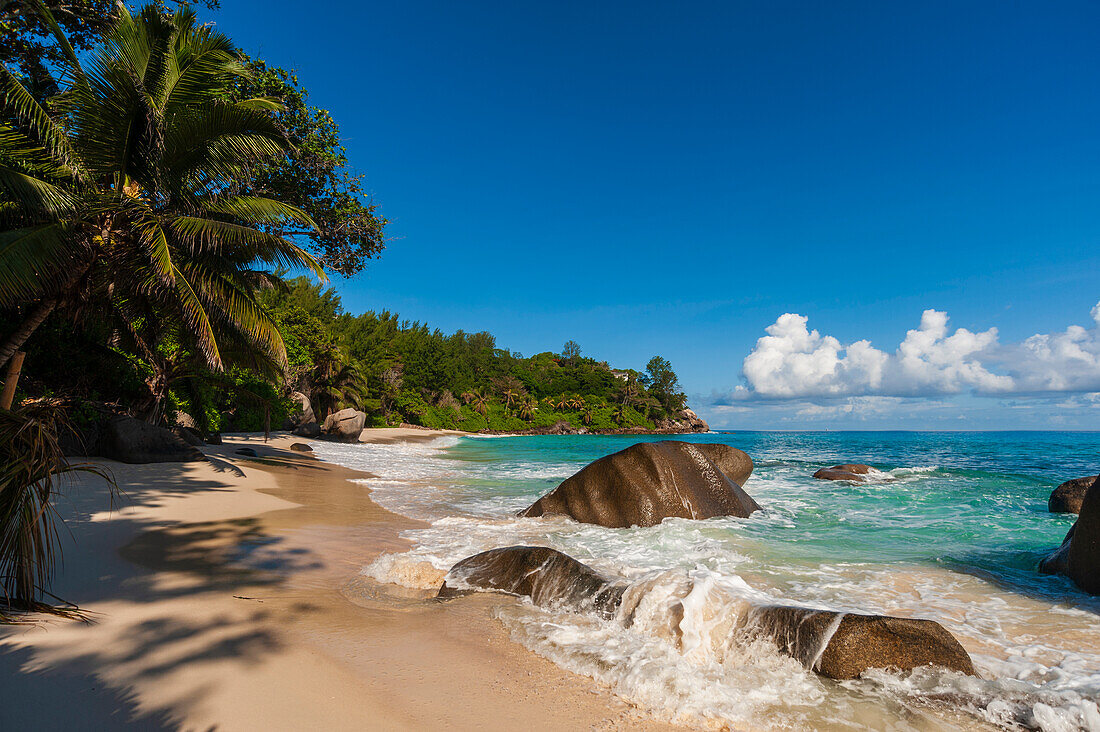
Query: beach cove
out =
(285, 591)
(217, 596)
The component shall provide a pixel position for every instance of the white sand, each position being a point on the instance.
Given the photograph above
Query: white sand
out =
(214, 593)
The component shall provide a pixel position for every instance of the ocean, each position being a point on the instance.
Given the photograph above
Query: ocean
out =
(951, 529)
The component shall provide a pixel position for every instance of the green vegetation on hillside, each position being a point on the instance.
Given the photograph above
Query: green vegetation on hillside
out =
(398, 371)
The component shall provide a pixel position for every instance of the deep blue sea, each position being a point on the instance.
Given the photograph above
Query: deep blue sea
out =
(951, 528)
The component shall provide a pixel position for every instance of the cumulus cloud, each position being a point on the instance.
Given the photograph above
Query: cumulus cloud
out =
(792, 361)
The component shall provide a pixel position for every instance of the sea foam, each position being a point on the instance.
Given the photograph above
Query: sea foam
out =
(688, 651)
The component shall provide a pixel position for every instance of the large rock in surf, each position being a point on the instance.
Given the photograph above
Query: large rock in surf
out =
(652, 481)
(848, 471)
(837, 645)
(1068, 497)
(547, 576)
(1079, 556)
(844, 645)
(345, 425)
(130, 440)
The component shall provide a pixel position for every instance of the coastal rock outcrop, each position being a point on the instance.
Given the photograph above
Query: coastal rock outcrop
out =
(131, 440)
(303, 413)
(345, 425)
(649, 482)
(833, 644)
(1079, 556)
(308, 429)
(547, 576)
(189, 435)
(848, 471)
(844, 645)
(686, 421)
(1068, 497)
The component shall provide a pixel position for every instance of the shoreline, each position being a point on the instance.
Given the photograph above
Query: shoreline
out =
(228, 594)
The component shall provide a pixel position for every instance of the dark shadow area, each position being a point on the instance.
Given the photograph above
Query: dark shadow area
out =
(1009, 577)
(88, 704)
(238, 564)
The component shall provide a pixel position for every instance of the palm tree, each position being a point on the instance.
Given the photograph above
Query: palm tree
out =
(335, 381)
(587, 415)
(119, 196)
(510, 396)
(620, 413)
(576, 402)
(480, 403)
(527, 408)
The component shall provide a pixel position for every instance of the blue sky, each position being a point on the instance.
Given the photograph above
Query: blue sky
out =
(669, 179)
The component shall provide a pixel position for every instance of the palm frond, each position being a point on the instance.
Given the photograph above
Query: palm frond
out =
(35, 195)
(210, 236)
(36, 259)
(17, 102)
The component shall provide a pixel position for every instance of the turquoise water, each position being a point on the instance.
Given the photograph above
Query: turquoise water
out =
(976, 503)
(951, 530)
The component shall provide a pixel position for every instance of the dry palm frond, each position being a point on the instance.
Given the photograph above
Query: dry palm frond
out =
(31, 463)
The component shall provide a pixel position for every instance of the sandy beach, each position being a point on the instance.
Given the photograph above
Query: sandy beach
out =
(226, 595)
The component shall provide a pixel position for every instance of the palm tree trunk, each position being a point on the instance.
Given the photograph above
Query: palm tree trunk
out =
(23, 332)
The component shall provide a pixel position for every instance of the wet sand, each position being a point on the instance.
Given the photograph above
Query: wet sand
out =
(226, 594)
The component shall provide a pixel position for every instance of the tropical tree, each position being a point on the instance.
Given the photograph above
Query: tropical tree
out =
(335, 381)
(510, 395)
(119, 197)
(621, 412)
(527, 408)
(587, 415)
(479, 400)
(664, 384)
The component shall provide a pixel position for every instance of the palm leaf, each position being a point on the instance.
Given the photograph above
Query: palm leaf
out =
(36, 259)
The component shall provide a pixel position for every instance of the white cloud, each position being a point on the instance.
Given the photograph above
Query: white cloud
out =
(792, 361)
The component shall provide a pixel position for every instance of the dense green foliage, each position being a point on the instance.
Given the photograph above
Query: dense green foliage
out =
(409, 372)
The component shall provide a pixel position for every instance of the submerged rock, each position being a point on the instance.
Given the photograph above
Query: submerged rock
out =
(1079, 556)
(848, 471)
(345, 425)
(652, 481)
(1068, 497)
(844, 645)
(548, 577)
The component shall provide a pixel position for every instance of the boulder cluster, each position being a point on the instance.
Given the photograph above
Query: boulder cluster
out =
(1078, 558)
(343, 426)
(649, 482)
